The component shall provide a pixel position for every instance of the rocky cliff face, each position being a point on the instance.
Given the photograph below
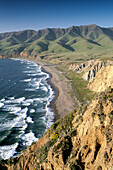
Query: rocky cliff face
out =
(103, 79)
(81, 140)
(90, 68)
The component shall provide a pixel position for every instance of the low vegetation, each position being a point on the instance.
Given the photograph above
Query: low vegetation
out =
(78, 140)
(78, 84)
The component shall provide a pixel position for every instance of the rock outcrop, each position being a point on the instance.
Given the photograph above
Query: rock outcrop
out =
(23, 54)
(103, 79)
(81, 140)
(90, 68)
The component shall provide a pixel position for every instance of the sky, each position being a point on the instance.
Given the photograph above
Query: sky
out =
(16, 15)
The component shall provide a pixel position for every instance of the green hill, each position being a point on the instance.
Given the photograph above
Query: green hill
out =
(89, 40)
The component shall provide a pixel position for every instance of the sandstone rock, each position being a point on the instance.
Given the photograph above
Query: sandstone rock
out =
(103, 79)
(90, 68)
(85, 141)
(23, 54)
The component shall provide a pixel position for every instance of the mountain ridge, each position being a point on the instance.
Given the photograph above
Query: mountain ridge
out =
(58, 40)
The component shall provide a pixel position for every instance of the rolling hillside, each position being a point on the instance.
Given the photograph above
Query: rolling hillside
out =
(83, 39)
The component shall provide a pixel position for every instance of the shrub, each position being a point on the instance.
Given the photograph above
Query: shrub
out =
(55, 136)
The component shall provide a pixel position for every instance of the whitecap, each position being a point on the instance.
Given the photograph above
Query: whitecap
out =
(31, 74)
(11, 98)
(26, 80)
(1, 105)
(29, 71)
(8, 151)
(44, 88)
(12, 108)
(21, 124)
(2, 100)
(26, 104)
(16, 122)
(19, 100)
(28, 138)
(32, 110)
(35, 85)
(29, 100)
(29, 120)
(30, 89)
(49, 118)
(23, 113)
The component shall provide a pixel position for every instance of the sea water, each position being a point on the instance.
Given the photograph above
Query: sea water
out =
(25, 97)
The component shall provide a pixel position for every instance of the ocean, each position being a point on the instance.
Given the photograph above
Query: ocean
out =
(25, 112)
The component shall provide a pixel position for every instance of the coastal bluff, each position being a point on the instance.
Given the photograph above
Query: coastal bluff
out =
(83, 139)
(90, 68)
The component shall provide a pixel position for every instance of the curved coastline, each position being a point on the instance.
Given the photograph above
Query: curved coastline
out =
(56, 90)
(63, 102)
(46, 121)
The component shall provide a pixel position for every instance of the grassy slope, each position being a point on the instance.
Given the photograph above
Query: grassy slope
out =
(63, 47)
(84, 42)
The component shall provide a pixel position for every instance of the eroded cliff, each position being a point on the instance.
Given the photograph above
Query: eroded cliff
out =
(103, 79)
(82, 139)
(90, 68)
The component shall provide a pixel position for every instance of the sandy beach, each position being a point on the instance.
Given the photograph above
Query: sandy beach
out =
(63, 103)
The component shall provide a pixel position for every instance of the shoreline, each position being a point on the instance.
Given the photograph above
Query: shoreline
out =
(56, 90)
(63, 102)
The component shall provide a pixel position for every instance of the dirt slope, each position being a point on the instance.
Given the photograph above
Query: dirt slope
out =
(81, 140)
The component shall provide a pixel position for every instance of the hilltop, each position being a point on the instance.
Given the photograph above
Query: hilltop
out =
(81, 56)
(90, 41)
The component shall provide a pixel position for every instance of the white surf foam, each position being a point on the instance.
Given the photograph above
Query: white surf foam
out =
(44, 88)
(26, 104)
(8, 151)
(29, 100)
(11, 98)
(26, 80)
(15, 101)
(32, 111)
(2, 100)
(32, 75)
(23, 113)
(16, 122)
(19, 100)
(12, 108)
(29, 138)
(1, 105)
(33, 84)
(29, 120)
(30, 89)
(50, 116)
(21, 123)
(27, 71)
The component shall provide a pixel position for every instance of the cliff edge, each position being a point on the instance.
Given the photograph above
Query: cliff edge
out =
(103, 79)
(83, 139)
(90, 68)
